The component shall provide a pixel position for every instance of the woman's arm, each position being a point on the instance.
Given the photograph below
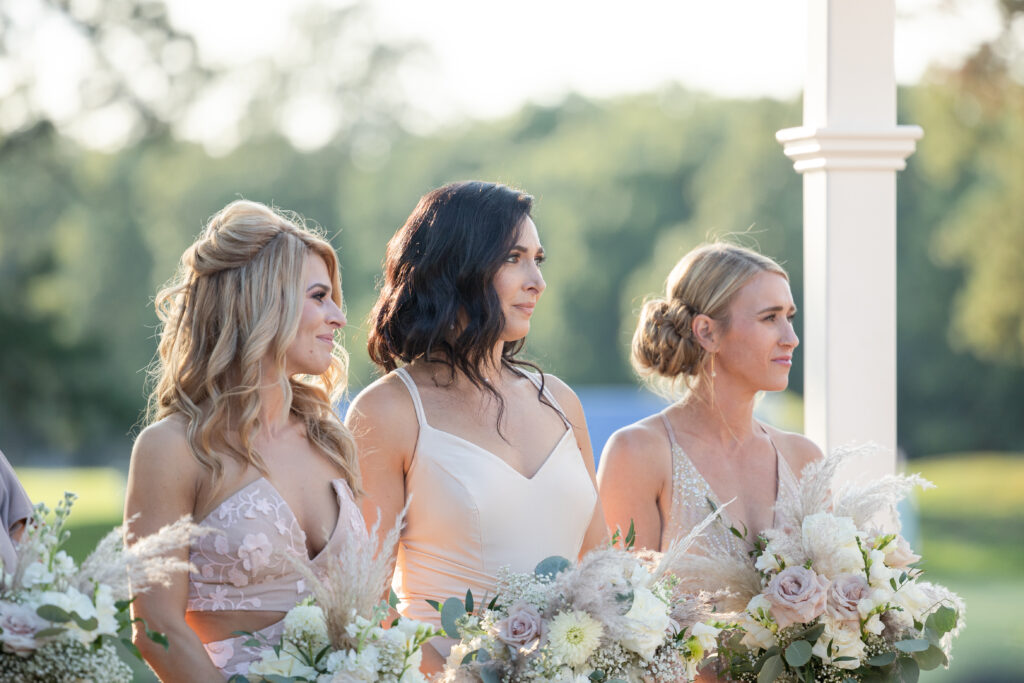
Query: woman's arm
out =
(162, 482)
(383, 422)
(597, 532)
(631, 481)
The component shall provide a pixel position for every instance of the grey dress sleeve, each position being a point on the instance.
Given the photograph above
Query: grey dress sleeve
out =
(15, 507)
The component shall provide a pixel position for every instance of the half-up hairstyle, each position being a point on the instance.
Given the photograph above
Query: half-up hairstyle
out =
(438, 300)
(705, 281)
(236, 301)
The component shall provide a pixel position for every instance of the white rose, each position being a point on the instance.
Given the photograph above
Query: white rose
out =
(650, 621)
(282, 664)
(831, 543)
(914, 600)
(20, 624)
(845, 642)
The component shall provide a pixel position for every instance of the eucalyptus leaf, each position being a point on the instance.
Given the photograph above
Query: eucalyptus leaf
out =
(932, 658)
(483, 655)
(942, 620)
(551, 567)
(52, 631)
(812, 634)
(435, 604)
(489, 676)
(450, 611)
(469, 601)
(597, 675)
(131, 647)
(158, 638)
(238, 678)
(393, 599)
(915, 645)
(469, 657)
(798, 653)
(276, 678)
(909, 670)
(53, 613)
(89, 624)
(771, 669)
(884, 659)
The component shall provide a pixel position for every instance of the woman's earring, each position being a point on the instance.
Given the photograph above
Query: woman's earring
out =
(713, 364)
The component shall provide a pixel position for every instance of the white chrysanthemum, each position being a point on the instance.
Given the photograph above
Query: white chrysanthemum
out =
(349, 665)
(306, 624)
(831, 543)
(573, 637)
(279, 664)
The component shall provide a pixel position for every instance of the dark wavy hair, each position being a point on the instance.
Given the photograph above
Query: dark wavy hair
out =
(437, 300)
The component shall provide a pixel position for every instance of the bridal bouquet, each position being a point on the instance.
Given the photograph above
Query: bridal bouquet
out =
(827, 596)
(58, 621)
(335, 634)
(370, 653)
(614, 616)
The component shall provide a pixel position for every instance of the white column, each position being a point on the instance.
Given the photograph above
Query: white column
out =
(848, 151)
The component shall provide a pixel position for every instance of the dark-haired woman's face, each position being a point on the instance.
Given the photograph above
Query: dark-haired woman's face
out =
(519, 282)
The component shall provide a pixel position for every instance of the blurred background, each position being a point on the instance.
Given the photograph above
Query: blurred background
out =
(642, 130)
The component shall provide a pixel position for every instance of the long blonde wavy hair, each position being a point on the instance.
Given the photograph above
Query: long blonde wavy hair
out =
(235, 301)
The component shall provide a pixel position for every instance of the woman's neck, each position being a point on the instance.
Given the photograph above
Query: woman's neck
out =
(724, 411)
(274, 414)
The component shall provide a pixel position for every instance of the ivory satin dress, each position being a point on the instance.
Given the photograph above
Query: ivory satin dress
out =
(471, 513)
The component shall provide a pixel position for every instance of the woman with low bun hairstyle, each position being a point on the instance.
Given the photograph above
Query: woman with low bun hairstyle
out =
(723, 333)
(489, 456)
(243, 438)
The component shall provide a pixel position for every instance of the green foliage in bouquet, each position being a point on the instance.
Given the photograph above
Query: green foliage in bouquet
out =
(58, 620)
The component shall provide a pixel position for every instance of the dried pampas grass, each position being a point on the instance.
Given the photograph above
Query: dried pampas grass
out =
(354, 580)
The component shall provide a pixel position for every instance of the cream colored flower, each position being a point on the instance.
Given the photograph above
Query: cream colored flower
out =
(306, 624)
(573, 637)
(282, 664)
(845, 642)
(649, 621)
(831, 543)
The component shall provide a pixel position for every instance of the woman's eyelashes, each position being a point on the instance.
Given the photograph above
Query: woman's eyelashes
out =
(515, 256)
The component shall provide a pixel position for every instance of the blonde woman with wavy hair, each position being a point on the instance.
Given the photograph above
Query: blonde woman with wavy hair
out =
(243, 437)
(722, 333)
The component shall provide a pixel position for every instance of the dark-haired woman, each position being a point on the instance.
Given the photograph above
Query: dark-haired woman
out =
(490, 455)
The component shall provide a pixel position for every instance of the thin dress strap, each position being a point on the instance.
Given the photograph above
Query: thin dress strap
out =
(668, 428)
(535, 378)
(406, 378)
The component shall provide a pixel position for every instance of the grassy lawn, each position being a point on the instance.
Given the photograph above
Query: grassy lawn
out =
(971, 535)
(972, 539)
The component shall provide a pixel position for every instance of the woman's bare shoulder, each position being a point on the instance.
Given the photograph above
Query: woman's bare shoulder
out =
(382, 416)
(164, 445)
(798, 450)
(641, 444)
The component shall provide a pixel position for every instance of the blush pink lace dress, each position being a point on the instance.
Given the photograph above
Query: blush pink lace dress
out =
(244, 564)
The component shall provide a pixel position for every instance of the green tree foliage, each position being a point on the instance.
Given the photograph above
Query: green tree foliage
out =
(624, 188)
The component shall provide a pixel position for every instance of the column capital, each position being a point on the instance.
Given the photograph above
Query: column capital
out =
(848, 149)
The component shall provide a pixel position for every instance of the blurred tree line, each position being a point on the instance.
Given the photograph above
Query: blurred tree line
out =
(624, 187)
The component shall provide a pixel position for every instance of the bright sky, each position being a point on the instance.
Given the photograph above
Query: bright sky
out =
(487, 59)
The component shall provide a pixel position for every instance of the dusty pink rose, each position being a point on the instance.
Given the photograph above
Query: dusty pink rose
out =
(521, 627)
(797, 595)
(844, 593)
(20, 624)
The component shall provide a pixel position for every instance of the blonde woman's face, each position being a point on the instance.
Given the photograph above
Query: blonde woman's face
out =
(519, 282)
(757, 348)
(311, 351)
